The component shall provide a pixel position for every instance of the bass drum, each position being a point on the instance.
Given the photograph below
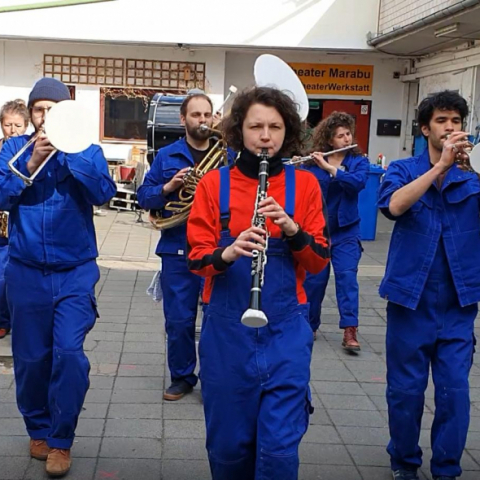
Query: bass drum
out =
(163, 124)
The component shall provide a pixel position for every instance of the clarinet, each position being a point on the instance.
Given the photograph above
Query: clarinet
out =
(253, 316)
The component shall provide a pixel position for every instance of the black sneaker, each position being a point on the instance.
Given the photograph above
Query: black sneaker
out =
(405, 475)
(177, 390)
(443, 477)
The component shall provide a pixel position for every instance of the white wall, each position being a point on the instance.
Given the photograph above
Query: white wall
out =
(475, 114)
(389, 99)
(452, 70)
(461, 81)
(21, 65)
(325, 24)
(466, 82)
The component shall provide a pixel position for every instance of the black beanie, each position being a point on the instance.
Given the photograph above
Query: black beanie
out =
(48, 89)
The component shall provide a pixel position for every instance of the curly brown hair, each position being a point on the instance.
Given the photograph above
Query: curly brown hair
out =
(270, 97)
(326, 129)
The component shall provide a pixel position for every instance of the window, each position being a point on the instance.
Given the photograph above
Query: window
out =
(124, 113)
(84, 70)
(179, 76)
(71, 89)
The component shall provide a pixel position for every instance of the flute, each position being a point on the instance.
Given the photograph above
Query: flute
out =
(326, 154)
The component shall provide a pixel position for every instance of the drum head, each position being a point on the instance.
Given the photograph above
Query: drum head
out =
(475, 158)
(68, 126)
(271, 71)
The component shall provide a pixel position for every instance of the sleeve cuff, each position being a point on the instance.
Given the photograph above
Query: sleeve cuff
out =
(298, 241)
(218, 263)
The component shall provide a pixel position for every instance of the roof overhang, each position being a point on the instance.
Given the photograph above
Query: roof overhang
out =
(445, 29)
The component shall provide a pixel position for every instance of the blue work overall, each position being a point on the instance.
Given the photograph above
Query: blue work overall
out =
(439, 332)
(181, 290)
(180, 287)
(4, 313)
(341, 198)
(51, 368)
(255, 381)
(346, 251)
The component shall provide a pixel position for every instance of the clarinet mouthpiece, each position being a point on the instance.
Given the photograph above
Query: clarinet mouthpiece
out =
(254, 318)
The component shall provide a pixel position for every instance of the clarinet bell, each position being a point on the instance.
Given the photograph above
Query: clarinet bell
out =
(254, 318)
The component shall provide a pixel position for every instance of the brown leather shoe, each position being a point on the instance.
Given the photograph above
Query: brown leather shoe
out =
(4, 332)
(58, 462)
(350, 342)
(39, 449)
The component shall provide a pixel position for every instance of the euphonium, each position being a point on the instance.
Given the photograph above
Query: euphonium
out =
(181, 208)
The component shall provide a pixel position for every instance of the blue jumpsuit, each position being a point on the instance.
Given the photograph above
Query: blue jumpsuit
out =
(341, 194)
(4, 313)
(180, 287)
(254, 381)
(432, 282)
(50, 277)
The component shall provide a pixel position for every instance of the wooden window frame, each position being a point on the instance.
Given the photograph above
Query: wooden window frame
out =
(103, 94)
(83, 70)
(169, 75)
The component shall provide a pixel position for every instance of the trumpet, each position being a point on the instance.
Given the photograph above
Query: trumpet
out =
(11, 164)
(308, 158)
(464, 163)
(68, 126)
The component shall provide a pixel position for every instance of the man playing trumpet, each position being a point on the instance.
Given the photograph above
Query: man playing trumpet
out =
(432, 284)
(52, 254)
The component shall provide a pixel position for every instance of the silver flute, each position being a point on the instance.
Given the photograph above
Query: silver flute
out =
(326, 154)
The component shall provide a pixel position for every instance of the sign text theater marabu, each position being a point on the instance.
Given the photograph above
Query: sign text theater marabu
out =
(321, 79)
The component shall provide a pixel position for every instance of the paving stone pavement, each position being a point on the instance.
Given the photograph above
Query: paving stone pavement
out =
(126, 431)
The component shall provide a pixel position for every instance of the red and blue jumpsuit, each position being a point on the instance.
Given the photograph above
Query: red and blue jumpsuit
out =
(255, 381)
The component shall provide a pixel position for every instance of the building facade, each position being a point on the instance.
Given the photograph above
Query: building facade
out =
(115, 55)
(442, 39)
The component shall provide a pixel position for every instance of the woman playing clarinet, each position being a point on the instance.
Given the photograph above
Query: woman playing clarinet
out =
(255, 380)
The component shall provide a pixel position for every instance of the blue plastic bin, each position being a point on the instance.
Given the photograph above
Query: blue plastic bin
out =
(367, 204)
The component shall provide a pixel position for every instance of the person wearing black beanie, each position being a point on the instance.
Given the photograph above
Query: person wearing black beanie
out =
(53, 251)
